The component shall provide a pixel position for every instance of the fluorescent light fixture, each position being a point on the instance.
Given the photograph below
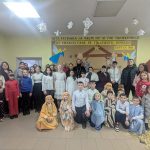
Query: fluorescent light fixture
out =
(22, 9)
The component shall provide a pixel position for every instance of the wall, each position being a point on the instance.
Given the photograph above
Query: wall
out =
(143, 52)
(3, 48)
(12, 47)
(28, 47)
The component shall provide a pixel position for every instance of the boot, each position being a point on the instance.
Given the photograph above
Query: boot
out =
(146, 126)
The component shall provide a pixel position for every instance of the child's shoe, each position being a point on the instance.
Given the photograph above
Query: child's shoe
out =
(11, 117)
(147, 127)
(117, 128)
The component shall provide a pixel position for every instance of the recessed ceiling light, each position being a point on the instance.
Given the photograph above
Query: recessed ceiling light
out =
(22, 9)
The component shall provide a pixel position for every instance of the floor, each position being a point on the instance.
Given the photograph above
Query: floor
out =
(20, 134)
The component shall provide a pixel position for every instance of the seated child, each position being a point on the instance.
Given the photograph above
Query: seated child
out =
(48, 115)
(110, 109)
(122, 112)
(107, 87)
(66, 113)
(136, 115)
(1, 101)
(98, 114)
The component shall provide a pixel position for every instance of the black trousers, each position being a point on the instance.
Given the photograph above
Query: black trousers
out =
(1, 110)
(115, 87)
(25, 102)
(120, 118)
(80, 115)
(129, 88)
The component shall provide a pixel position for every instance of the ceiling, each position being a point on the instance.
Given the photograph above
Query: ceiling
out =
(57, 13)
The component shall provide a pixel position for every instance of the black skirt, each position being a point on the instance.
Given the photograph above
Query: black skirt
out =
(38, 96)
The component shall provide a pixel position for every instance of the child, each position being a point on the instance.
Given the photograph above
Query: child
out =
(37, 89)
(122, 112)
(71, 83)
(142, 84)
(60, 83)
(146, 106)
(1, 101)
(48, 82)
(107, 87)
(66, 113)
(98, 114)
(26, 92)
(48, 115)
(120, 91)
(136, 115)
(84, 80)
(110, 109)
(92, 91)
(80, 105)
(12, 95)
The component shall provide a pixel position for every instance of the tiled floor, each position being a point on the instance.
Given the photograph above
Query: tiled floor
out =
(20, 134)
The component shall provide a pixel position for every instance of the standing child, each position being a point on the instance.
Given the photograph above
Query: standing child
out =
(110, 109)
(84, 79)
(122, 112)
(136, 115)
(1, 101)
(60, 82)
(91, 91)
(142, 84)
(37, 89)
(71, 83)
(12, 95)
(146, 106)
(26, 91)
(48, 82)
(98, 114)
(66, 113)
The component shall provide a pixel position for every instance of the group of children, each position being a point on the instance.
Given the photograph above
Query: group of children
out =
(76, 99)
(110, 111)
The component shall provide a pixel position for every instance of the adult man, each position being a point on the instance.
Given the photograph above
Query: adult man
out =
(79, 68)
(127, 77)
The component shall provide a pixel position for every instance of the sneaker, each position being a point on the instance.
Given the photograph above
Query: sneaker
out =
(1, 120)
(11, 117)
(15, 116)
(83, 125)
(117, 128)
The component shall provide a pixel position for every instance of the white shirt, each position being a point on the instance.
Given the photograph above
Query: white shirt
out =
(3, 80)
(91, 93)
(122, 107)
(79, 99)
(115, 74)
(37, 78)
(94, 76)
(84, 80)
(47, 83)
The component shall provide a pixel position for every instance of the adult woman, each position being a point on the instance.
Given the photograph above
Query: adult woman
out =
(142, 67)
(5, 70)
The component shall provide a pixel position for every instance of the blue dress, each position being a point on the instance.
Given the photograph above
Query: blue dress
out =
(136, 115)
(98, 114)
